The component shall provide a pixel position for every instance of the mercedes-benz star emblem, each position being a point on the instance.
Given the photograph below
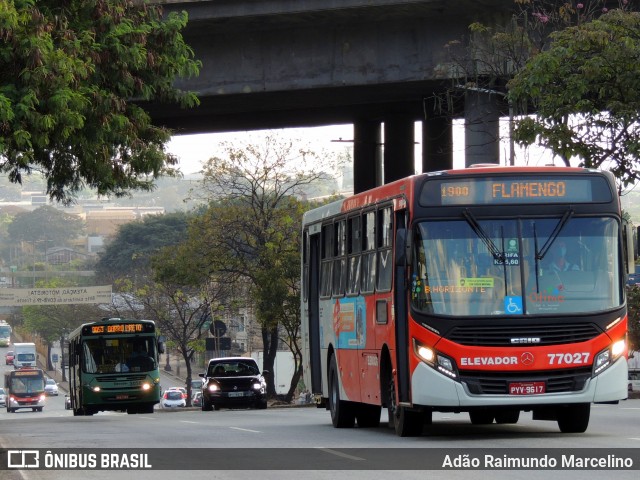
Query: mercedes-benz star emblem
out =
(235, 387)
(526, 358)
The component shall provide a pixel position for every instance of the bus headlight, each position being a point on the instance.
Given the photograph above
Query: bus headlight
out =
(435, 359)
(96, 388)
(146, 386)
(607, 356)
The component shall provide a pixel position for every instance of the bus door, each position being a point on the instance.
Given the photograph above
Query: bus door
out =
(311, 262)
(400, 302)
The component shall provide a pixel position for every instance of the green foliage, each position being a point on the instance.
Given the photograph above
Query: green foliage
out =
(586, 93)
(70, 74)
(46, 224)
(137, 242)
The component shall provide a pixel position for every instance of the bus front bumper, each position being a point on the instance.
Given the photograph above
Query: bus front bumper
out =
(430, 388)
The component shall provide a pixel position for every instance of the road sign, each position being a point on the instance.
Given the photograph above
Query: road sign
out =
(218, 328)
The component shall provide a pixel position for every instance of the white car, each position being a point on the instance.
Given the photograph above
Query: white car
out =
(51, 387)
(173, 399)
(3, 397)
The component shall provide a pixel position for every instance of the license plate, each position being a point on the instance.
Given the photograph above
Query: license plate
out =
(526, 388)
(122, 397)
(236, 394)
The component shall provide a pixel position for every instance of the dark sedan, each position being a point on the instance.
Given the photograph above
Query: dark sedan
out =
(233, 382)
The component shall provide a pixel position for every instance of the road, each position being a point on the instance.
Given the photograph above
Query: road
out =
(180, 433)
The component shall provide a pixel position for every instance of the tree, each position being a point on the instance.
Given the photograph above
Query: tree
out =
(252, 228)
(136, 242)
(70, 76)
(47, 224)
(486, 60)
(586, 93)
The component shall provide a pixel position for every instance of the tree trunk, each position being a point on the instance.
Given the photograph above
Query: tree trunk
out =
(49, 364)
(270, 348)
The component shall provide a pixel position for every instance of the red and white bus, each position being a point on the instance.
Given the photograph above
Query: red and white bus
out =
(489, 290)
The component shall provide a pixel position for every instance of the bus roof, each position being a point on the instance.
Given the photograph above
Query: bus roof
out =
(406, 186)
(107, 321)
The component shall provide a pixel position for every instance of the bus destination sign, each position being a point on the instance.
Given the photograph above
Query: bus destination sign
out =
(116, 328)
(510, 190)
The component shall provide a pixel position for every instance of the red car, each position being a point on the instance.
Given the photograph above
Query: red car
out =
(8, 358)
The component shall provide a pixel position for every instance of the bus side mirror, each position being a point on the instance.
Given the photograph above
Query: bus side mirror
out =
(161, 340)
(403, 247)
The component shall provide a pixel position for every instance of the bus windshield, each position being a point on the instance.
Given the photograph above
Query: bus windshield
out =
(119, 355)
(27, 384)
(533, 266)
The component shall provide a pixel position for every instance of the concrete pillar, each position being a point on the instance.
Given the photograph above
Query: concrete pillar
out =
(481, 128)
(367, 157)
(437, 143)
(399, 147)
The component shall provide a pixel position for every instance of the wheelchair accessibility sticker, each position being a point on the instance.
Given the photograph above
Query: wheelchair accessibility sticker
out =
(513, 305)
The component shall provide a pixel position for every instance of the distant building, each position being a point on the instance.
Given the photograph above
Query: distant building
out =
(63, 255)
(106, 221)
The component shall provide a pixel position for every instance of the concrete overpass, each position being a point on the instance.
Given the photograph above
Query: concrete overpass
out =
(294, 63)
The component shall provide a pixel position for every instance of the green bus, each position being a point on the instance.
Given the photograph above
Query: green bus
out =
(113, 366)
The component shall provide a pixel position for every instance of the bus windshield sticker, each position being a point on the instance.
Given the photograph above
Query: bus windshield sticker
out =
(485, 282)
(513, 305)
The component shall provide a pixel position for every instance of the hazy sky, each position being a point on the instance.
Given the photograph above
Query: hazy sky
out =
(192, 150)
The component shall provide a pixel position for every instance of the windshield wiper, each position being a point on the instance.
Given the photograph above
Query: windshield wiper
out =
(475, 226)
(556, 231)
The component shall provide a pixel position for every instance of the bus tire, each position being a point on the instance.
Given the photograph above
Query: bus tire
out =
(481, 417)
(368, 416)
(342, 414)
(574, 418)
(508, 415)
(405, 422)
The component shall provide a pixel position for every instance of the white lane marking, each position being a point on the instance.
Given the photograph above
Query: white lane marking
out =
(245, 430)
(189, 421)
(340, 454)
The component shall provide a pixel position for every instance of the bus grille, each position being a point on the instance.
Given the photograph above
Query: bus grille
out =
(503, 336)
(497, 383)
(119, 377)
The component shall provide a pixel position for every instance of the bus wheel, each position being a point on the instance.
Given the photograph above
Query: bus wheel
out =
(508, 416)
(574, 418)
(481, 417)
(406, 423)
(342, 414)
(368, 416)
